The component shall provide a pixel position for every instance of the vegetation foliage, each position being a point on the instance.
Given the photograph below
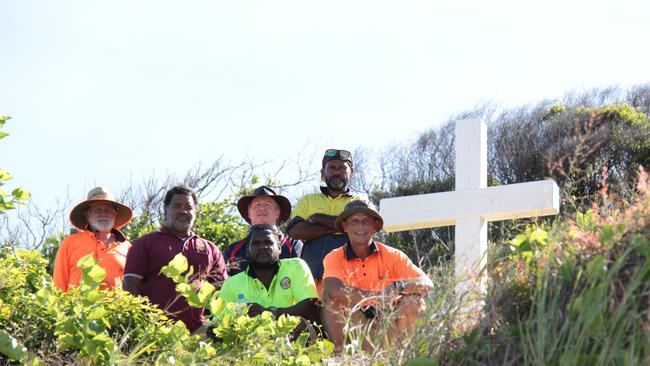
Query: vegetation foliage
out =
(41, 324)
(567, 291)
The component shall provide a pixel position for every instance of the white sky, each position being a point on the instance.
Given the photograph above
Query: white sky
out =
(104, 92)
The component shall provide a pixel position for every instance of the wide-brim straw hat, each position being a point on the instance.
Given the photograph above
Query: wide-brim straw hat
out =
(282, 201)
(99, 194)
(357, 206)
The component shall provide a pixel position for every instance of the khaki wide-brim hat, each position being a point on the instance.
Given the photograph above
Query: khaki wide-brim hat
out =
(357, 206)
(283, 202)
(99, 194)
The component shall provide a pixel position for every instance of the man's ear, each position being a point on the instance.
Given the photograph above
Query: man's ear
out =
(375, 225)
(344, 226)
(322, 174)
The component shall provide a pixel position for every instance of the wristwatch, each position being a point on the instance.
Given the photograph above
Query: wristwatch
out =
(399, 285)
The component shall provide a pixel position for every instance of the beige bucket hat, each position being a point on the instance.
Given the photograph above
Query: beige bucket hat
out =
(99, 194)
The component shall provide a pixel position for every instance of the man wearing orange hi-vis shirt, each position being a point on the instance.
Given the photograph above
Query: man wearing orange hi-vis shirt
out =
(99, 219)
(366, 280)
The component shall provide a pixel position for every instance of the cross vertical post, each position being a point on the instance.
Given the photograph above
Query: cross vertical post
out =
(471, 232)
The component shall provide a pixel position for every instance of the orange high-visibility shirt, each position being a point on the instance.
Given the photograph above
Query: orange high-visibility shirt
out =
(76, 246)
(380, 269)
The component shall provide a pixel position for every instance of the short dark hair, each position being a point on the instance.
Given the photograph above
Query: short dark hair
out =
(181, 189)
(262, 227)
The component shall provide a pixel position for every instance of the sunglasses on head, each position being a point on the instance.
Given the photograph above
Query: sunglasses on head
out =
(334, 153)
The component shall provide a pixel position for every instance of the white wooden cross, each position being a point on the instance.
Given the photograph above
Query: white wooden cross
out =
(471, 206)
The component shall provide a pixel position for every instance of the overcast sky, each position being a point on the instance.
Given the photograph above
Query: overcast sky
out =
(104, 92)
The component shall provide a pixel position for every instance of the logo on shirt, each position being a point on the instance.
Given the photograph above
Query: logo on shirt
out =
(241, 298)
(285, 283)
(200, 246)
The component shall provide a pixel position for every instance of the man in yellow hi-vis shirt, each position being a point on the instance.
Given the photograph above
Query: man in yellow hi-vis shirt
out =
(314, 215)
(280, 286)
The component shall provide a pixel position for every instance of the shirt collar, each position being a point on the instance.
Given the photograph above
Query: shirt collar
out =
(165, 230)
(251, 273)
(118, 234)
(350, 254)
(324, 191)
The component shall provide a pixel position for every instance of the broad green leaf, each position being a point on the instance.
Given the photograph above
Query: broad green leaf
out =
(20, 194)
(216, 306)
(586, 221)
(184, 289)
(539, 236)
(103, 338)
(3, 135)
(86, 262)
(11, 348)
(204, 293)
(176, 267)
(4, 175)
(96, 313)
(96, 274)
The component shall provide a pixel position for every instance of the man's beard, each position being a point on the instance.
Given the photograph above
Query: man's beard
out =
(102, 225)
(337, 183)
(270, 264)
(263, 265)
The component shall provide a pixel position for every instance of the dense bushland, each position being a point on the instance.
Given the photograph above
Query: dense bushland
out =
(577, 141)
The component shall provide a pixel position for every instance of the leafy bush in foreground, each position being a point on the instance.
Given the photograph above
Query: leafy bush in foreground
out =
(41, 324)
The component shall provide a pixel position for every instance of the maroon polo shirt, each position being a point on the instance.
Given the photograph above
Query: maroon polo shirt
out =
(151, 252)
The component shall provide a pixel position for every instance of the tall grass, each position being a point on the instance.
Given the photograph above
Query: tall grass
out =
(576, 293)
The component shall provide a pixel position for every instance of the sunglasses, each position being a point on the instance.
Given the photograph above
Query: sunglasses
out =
(334, 153)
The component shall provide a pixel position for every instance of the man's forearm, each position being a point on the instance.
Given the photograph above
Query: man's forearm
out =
(305, 231)
(419, 286)
(306, 308)
(328, 221)
(352, 296)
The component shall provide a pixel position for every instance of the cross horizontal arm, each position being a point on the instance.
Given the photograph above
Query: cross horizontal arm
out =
(506, 202)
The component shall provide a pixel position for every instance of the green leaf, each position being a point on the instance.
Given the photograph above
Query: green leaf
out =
(3, 135)
(96, 313)
(606, 234)
(86, 262)
(596, 267)
(10, 347)
(216, 306)
(175, 268)
(20, 194)
(586, 221)
(204, 293)
(4, 175)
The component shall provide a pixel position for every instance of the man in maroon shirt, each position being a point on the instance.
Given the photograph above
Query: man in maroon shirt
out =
(153, 251)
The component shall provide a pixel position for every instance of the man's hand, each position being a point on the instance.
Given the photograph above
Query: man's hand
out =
(255, 309)
(393, 290)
